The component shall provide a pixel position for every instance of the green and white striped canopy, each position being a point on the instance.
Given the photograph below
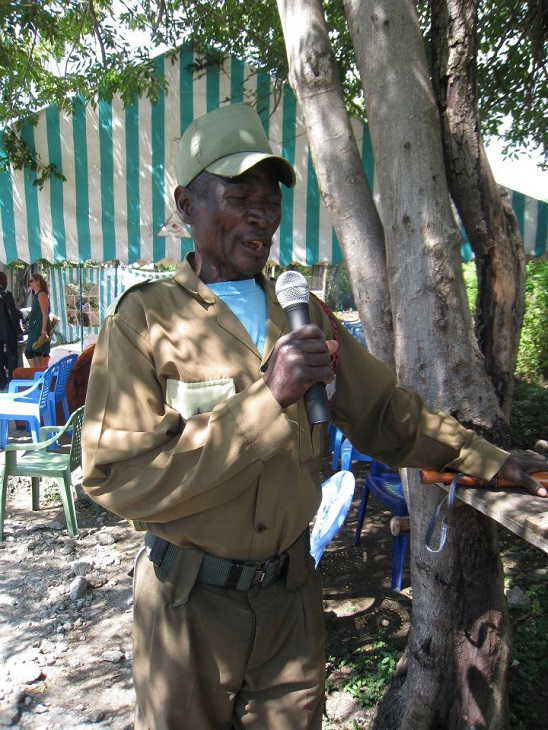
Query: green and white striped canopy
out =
(117, 200)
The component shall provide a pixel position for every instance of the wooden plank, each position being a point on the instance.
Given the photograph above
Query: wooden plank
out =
(515, 509)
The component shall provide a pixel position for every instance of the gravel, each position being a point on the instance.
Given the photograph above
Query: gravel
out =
(66, 613)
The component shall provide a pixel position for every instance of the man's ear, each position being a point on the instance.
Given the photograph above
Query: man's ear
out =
(183, 201)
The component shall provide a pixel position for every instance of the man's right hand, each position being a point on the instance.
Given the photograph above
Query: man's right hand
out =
(299, 359)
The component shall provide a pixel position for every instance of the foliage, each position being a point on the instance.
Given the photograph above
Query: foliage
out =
(55, 50)
(528, 417)
(20, 156)
(532, 362)
(339, 293)
(512, 58)
(511, 71)
(365, 673)
(471, 283)
(529, 414)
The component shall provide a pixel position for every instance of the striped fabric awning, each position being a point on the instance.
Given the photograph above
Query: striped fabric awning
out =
(81, 295)
(117, 201)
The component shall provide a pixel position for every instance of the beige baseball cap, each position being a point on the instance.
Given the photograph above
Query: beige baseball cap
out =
(227, 142)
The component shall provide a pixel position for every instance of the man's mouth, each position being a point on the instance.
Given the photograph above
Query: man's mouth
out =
(256, 244)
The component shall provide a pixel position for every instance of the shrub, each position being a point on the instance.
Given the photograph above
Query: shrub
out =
(532, 364)
(528, 417)
(339, 293)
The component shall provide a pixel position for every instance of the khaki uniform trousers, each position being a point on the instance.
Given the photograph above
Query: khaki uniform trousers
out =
(210, 658)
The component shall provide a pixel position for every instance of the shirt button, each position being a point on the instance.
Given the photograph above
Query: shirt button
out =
(261, 527)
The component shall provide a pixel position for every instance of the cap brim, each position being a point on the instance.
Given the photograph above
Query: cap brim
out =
(237, 164)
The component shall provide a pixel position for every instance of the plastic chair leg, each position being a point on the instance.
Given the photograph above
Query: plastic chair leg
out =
(35, 482)
(361, 513)
(34, 428)
(399, 552)
(4, 429)
(347, 452)
(331, 430)
(337, 441)
(3, 493)
(68, 505)
(48, 416)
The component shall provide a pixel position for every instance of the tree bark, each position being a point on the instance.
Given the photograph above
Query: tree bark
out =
(343, 186)
(489, 220)
(454, 671)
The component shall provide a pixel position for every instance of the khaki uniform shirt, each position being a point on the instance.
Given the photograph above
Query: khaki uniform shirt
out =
(183, 437)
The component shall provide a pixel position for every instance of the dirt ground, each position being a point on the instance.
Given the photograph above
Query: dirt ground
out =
(66, 611)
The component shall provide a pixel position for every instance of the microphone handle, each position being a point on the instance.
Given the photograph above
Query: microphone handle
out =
(315, 398)
(317, 405)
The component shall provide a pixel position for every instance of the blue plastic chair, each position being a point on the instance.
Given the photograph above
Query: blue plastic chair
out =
(350, 454)
(385, 484)
(59, 392)
(37, 461)
(356, 330)
(336, 437)
(30, 405)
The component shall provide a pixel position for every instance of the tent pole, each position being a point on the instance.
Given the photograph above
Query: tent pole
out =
(81, 288)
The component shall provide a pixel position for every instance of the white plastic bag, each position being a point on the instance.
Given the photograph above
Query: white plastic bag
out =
(337, 494)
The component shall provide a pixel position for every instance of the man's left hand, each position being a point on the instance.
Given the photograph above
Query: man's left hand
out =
(517, 468)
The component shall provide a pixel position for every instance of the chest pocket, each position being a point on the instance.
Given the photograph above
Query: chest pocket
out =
(192, 398)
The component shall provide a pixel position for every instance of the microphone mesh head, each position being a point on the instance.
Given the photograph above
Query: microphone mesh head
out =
(292, 288)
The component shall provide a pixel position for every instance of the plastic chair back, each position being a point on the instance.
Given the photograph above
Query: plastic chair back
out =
(46, 387)
(76, 421)
(64, 366)
(59, 394)
(349, 453)
(28, 405)
(385, 484)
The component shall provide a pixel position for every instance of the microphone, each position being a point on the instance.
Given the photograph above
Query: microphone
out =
(293, 294)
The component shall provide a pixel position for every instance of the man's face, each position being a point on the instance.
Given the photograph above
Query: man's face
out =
(233, 221)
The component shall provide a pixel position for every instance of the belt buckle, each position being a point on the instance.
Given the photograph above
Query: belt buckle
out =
(260, 572)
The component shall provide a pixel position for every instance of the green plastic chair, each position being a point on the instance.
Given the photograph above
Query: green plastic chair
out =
(35, 461)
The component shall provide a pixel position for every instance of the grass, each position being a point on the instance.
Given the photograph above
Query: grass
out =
(529, 658)
(366, 672)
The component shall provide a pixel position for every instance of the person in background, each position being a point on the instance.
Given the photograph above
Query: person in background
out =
(38, 342)
(10, 330)
(195, 429)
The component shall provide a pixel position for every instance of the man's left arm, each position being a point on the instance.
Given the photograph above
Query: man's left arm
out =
(400, 430)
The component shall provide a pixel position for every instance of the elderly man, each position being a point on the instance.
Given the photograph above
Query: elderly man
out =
(196, 431)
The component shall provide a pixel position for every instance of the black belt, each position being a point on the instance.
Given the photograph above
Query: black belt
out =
(220, 572)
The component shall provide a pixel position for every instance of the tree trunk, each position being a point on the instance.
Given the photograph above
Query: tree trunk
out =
(489, 221)
(453, 675)
(314, 77)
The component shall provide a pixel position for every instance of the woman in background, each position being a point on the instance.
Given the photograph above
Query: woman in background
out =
(38, 342)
